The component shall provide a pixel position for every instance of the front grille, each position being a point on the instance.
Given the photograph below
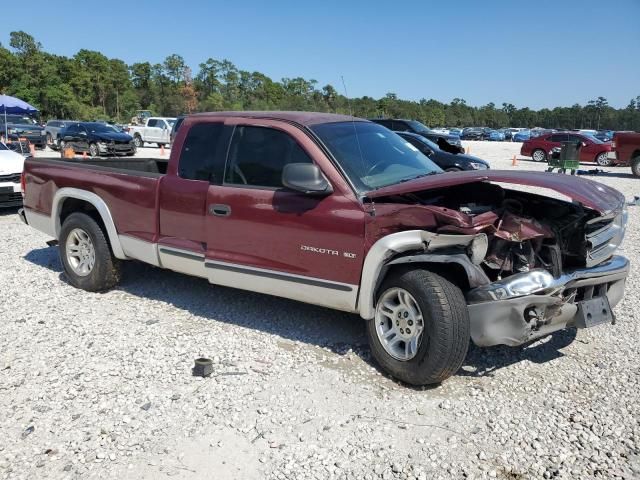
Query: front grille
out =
(13, 178)
(604, 236)
(10, 199)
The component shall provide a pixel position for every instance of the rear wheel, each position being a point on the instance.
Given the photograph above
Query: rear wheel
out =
(86, 256)
(539, 155)
(603, 160)
(420, 332)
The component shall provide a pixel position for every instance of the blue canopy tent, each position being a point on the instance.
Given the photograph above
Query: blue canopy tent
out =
(13, 105)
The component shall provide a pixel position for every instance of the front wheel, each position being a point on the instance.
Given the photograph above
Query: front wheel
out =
(603, 160)
(86, 256)
(635, 166)
(94, 151)
(137, 141)
(539, 155)
(420, 332)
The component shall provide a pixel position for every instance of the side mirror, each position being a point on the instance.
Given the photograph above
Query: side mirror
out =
(306, 178)
(428, 152)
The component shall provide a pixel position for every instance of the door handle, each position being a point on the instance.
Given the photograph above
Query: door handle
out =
(219, 210)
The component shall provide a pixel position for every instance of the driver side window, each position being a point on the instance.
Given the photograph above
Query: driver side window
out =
(257, 156)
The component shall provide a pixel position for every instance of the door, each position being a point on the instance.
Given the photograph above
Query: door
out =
(152, 131)
(587, 150)
(265, 238)
(183, 195)
(78, 137)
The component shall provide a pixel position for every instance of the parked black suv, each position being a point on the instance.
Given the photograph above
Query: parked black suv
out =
(96, 139)
(23, 126)
(413, 126)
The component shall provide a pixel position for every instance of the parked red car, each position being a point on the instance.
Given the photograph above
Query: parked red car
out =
(593, 150)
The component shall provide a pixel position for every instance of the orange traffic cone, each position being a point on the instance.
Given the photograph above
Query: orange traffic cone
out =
(162, 150)
(514, 162)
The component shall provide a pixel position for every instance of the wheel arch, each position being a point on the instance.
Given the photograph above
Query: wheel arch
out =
(69, 200)
(405, 250)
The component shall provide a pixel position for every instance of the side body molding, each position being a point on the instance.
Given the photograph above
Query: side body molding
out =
(382, 252)
(100, 206)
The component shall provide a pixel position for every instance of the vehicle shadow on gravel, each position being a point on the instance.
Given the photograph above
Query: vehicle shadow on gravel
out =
(298, 322)
(295, 321)
(485, 361)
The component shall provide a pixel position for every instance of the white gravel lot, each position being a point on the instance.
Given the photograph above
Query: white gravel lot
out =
(100, 385)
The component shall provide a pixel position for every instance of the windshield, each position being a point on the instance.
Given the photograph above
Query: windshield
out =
(372, 156)
(592, 138)
(101, 128)
(18, 119)
(418, 127)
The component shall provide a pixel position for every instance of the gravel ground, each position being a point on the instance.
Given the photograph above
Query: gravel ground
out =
(99, 385)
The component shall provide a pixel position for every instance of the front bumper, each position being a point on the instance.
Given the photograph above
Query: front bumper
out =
(36, 138)
(533, 304)
(10, 195)
(116, 148)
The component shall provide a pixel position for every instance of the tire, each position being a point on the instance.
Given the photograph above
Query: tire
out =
(539, 155)
(635, 165)
(94, 151)
(49, 139)
(443, 343)
(603, 160)
(61, 145)
(105, 271)
(137, 141)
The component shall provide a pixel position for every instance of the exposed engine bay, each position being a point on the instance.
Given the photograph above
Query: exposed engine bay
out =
(525, 231)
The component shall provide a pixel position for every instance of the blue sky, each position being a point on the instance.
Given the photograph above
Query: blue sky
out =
(532, 53)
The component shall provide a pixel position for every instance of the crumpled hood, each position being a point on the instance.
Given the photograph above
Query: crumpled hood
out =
(590, 194)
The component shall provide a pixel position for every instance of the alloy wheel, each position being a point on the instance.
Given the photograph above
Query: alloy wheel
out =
(399, 324)
(80, 252)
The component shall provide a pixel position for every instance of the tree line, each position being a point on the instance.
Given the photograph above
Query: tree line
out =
(91, 86)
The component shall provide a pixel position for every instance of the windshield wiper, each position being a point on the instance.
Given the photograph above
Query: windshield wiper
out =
(417, 176)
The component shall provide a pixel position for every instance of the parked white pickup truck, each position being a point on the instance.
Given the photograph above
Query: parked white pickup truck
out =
(155, 130)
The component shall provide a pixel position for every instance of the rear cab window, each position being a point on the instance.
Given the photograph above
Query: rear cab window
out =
(202, 155)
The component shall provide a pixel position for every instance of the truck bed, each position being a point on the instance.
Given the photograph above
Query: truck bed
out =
(128, 166)
(128, 187)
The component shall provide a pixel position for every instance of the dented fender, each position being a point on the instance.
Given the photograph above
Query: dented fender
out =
(387, 249)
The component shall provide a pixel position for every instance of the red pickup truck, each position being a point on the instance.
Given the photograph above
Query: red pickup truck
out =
(341, 212)
(626, 150)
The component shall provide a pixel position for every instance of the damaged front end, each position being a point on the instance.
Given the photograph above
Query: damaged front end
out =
(546, 263)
